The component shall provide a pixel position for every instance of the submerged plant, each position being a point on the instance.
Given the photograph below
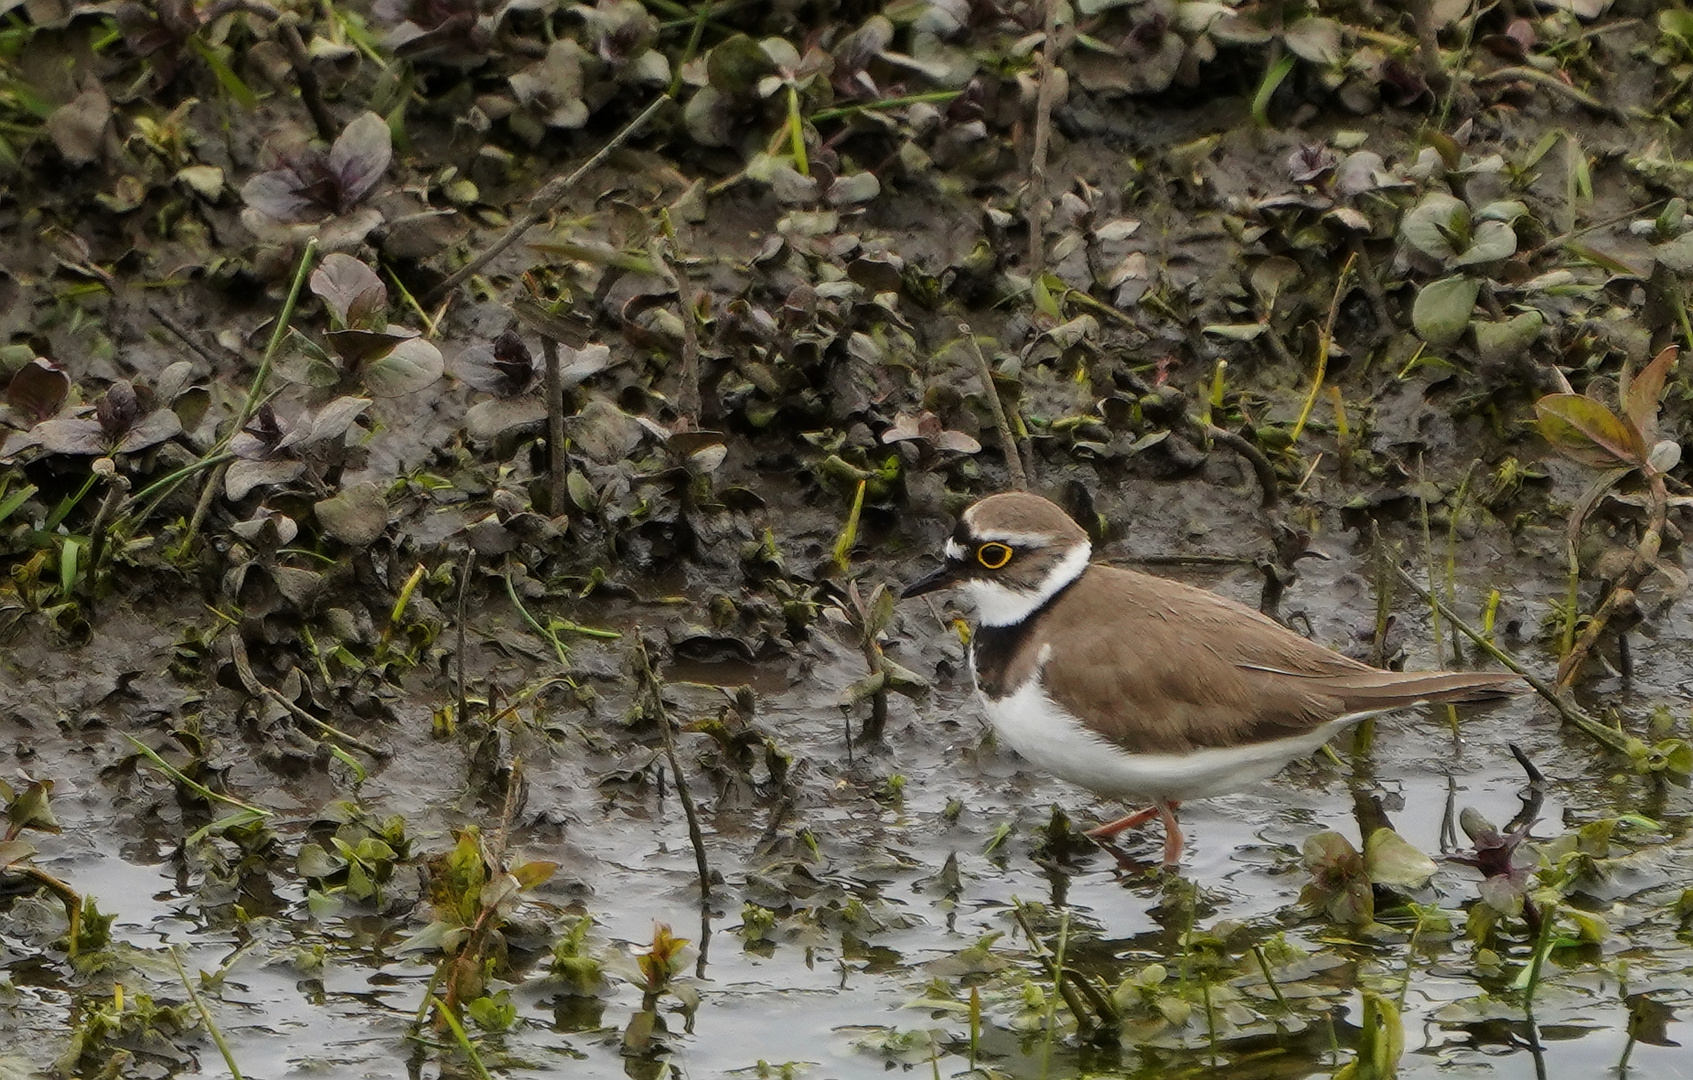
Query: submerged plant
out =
(1343, 879)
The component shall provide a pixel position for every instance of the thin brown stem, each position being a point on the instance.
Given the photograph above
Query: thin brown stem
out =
(542, 204)
(556, 463)
(1007, 442)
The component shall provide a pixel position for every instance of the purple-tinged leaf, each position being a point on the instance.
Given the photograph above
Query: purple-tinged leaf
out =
(38, 389)
(69, 435)
(351, 289)
(262, 435)
(358, 347)
(119, 409)
(360, 156)
(276, 194)
(506, 368)
(151, 430)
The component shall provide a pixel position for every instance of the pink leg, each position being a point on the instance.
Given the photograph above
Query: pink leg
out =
(1172, 835)
(1134, 821)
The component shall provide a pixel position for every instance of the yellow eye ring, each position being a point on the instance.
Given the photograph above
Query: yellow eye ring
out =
(993, 556)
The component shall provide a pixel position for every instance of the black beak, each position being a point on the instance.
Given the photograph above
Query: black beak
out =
(940, 579)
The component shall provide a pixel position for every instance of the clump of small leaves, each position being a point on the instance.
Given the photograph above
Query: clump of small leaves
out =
(513, 374)
(869, 619)
(1343, 879)
(272, 450)
(364, 348)
(472, 898)
(573, 963)
(317, 192)
(658, 969)
(358, 861)
(126, 420)
(1619, 443)
(451, 33)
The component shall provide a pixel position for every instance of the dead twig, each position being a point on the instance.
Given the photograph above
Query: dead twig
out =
(556, 463)
(653, 689)
(1007, 442)
(1261, 467)
(1038, 203)
(311, 91)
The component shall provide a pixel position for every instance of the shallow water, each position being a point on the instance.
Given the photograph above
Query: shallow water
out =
(834, 986)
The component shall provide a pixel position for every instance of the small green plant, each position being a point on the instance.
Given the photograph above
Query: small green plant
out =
(1621, 444)
(472, 897)
(1343, 879)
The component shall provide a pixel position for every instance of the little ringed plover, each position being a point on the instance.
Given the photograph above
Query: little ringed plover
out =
(1135, 686)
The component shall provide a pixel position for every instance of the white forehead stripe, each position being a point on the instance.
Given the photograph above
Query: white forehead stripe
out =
(955, 550)
(1015, 539)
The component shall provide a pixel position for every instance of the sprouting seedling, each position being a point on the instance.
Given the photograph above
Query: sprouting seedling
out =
(453, 33)
(387, 360)
(1587, 430)
(36, 393)
(161, 31)
(869, 618)
(1504, 876)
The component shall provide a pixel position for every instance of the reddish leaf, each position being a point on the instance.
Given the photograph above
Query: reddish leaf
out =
(350, 288)
(1640, 402)
(39, 388)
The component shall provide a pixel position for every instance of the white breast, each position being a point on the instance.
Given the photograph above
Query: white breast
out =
(1040, 730)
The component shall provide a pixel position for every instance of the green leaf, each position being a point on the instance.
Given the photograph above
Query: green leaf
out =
(1432, 225)
(1586, 431)
(231, 82)
(1314, 39)
(531, 874)
(69, 555)
(1392, 860)
(1493, 240)
(1501, 341)
(1267, 89)
(13, 852)
(438, 935)
(1043, 299)
(1442, 309)
(314, 862)
(10, 504)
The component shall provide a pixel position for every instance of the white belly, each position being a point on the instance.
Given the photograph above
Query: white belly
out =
(1040, 730)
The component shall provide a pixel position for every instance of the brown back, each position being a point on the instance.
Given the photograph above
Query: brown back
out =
(1157, 666)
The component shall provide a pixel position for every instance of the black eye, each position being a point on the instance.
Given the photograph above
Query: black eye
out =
(993, 556)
